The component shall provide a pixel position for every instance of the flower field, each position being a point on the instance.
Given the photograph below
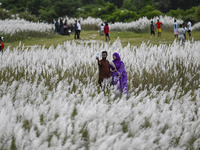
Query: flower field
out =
(12, 27)
(19, 25)
(50, 99)
(139, 25)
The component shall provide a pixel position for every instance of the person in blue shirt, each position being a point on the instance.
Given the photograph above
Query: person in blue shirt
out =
(152, 29)
(175, 29)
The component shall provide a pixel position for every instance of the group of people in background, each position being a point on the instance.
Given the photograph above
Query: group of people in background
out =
(66, 29)
(179, 33)
(112, 73)
(63, 28)
(152, 30)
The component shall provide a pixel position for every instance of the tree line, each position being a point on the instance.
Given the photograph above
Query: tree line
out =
(111, 10)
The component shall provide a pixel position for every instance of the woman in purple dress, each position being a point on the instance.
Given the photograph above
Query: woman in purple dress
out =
(118, 73)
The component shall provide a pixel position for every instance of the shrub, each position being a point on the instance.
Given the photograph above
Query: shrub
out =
(27, 16)
(123, 16)
(5, 14)
(153, 14)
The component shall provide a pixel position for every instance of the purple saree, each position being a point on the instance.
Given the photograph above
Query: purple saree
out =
(119, 80)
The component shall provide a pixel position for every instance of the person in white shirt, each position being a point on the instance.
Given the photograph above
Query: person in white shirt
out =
(189, 28)
(102, 29)
(181, 34)
(79, 28)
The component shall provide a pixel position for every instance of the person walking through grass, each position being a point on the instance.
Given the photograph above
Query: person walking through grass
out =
(118, 74)
(181, 34)
(102, 29)
(106, 31)
(61, 27)
(152, 29)
(175, 29)
(189, 28)
(159, 28)
(75, 30)
(79, 29)
(104, 69)
(57, 30)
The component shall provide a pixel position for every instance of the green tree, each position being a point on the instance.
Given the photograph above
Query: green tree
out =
(34, 6)
(67, 7)
(197, 13)
(129, 5)
(48, 14)
(145, 10)
(118, 3)
(178, 13)
(104, 11)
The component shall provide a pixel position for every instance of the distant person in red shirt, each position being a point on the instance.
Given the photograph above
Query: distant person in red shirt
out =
(106, 31)
(1, 44)
(159, 28)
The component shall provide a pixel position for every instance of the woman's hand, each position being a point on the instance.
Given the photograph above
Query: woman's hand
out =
(115, 70)
(119, 74)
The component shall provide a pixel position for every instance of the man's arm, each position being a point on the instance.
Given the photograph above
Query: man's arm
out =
(99, 62)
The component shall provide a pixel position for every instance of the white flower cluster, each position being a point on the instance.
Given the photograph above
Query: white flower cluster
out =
(49, 98)
(196, 27)
(20, 25)
(138, 25)
(87, 21)
(144, 23)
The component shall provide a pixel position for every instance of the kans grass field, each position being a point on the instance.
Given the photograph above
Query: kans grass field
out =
(50, 98)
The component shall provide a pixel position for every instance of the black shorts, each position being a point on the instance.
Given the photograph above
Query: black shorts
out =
(106, 34)
(189, 31)
(152, 32)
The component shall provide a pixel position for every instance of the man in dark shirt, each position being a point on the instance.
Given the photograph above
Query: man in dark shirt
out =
(152, 29)
(104, 68)
(75, 30)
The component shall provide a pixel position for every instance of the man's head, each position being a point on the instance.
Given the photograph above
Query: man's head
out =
(79, 21)
(1, 39)
(75, 21)
(104, 55)
(181, 25)
(151, 22)
(158, 20)
(174, 20)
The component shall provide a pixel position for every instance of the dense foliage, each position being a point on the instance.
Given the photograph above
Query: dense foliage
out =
(111, 10)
